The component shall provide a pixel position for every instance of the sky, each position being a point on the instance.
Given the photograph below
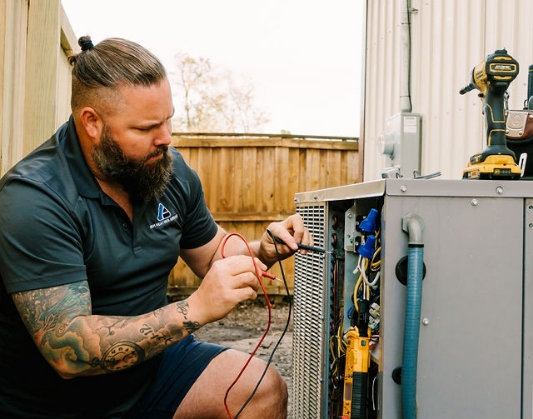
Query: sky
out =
(303, 57)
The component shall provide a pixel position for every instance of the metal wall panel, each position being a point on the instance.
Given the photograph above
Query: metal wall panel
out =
(457, 373)
(448, 38)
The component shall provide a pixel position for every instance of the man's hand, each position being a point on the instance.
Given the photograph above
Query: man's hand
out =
(289, 233)
(228, 282)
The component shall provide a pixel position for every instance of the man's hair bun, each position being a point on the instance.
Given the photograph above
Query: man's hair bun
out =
(85, 43)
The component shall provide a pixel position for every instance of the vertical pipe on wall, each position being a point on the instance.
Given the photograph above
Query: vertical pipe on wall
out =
(405, 86)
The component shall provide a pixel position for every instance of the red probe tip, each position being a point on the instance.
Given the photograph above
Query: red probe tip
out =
(269, 276)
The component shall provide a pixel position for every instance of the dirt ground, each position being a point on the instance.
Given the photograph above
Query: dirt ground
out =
(245, 325)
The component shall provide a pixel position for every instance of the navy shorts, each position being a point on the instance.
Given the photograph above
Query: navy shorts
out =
(180, 367)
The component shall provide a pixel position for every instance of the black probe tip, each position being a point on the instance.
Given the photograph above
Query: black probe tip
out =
(311, 248)
(303, 246)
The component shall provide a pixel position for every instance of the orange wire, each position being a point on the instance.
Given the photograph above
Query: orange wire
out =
(259, 275)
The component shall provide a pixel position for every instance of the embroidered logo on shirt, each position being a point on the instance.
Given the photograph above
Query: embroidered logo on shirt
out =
(162, 213)
(163, 216)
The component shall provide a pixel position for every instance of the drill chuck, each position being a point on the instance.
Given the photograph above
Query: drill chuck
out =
(469, 87)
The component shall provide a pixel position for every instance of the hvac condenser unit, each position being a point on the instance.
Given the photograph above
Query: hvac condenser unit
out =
(469, 343)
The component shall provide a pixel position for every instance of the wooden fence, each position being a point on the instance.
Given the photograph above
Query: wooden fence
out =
(35, 41)
(250, 181)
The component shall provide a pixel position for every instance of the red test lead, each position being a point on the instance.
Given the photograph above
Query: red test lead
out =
(269, 276)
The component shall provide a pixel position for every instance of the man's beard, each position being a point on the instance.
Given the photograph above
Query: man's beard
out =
(141, 180)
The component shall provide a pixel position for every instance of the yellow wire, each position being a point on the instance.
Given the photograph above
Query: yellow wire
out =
(375, 264)
(356, 289)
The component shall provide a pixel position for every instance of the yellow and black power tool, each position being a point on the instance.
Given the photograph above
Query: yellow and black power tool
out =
(492, 78)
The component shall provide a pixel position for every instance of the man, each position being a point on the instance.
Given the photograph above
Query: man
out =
(92, 222)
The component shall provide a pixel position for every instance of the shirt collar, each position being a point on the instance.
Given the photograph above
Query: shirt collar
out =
(82, 175)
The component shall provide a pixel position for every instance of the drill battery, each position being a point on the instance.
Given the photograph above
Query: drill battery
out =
(496, 166)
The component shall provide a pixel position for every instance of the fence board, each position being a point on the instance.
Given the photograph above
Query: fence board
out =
(250, 181)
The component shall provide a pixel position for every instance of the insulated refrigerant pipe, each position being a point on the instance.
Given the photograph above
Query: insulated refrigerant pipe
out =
(414, 226)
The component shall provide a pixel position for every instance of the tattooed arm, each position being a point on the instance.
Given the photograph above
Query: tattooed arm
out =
(77, 343)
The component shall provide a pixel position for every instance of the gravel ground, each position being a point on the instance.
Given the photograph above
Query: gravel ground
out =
(245, 325)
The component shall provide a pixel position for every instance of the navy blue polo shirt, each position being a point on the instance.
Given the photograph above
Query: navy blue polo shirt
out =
(57, 226)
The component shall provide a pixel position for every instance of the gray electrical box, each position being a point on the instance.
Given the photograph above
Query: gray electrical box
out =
(401, 145)
(475, 349)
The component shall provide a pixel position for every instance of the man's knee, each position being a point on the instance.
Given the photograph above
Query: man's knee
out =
(273, 394)
(277, 383)
(205, 399)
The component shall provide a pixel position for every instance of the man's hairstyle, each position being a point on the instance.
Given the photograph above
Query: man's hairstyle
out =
(106, 66)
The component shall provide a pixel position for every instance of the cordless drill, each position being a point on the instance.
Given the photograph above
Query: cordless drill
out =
(492, 77)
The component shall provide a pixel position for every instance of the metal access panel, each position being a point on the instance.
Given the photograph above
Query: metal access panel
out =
(401, 143)
(475, 353)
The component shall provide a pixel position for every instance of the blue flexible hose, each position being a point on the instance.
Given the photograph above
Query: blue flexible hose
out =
(415, 268)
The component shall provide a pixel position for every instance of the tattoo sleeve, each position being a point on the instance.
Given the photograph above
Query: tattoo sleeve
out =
(76, 342)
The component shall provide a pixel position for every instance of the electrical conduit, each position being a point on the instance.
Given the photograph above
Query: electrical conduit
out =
(413, 225)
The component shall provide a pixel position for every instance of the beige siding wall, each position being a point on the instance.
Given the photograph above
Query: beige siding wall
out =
(448, 39)
(35, 38)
